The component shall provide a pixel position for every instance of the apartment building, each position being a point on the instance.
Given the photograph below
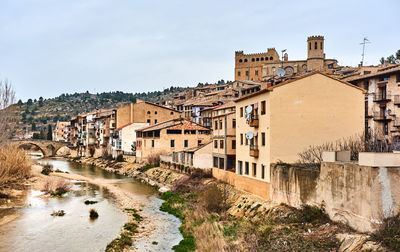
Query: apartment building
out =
(60, 132)
(144, 112)
(278, 122)
(224, 136)
(382, 101)
(199, 157)
(124, 140)
(169, 136)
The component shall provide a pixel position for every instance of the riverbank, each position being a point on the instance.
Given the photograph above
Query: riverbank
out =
(230, 219)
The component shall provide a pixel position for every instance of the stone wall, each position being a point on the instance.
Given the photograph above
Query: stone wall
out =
(360, 196)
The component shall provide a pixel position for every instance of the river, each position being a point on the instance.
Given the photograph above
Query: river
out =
(36, 230)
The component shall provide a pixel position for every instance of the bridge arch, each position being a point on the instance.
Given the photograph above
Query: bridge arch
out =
(48, 148)
(20, 145)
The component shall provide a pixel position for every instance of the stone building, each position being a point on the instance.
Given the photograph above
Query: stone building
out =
(382, 101)
(60, 132)
(263, 66)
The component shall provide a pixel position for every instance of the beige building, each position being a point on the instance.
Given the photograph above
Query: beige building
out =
(144, 112)
(169, 136)
(224, 136)
(279, 122)
(196, 157)
(262, 66)
(60, 132)
(382, 101)
(124, 141)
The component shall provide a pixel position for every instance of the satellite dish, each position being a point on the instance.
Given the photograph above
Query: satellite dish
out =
(281, 72)
(249, 109)
(388, 112)
(249, 135)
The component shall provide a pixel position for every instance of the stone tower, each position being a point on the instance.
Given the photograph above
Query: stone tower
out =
(316, 55)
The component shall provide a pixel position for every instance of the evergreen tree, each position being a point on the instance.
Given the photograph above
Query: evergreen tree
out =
(41, 135)
(19, 102)
(49, 133)
(29, 102)
(40, 101)
(33, 126)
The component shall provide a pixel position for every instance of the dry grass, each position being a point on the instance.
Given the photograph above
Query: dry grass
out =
(154, 159)
(56, 186)
(14, 164)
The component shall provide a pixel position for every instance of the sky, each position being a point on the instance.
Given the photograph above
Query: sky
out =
(50, 47)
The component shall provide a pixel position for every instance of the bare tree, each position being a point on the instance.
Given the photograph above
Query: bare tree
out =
(7, 98)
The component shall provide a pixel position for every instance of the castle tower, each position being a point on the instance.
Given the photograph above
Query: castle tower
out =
(316, 55)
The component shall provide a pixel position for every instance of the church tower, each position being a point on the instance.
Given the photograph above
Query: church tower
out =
(316, 55)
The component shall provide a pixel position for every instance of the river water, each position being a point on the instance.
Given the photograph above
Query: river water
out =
(37, 230)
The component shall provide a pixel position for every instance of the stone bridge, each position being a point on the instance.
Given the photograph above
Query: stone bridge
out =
(47, 147)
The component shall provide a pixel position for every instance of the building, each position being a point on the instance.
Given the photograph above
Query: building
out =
(60, 132)
(262, 66)
(144, 112)
(382, 101)
(124, 140)
(169, 136)
(224, 136)
(199, 157)
(277, 123)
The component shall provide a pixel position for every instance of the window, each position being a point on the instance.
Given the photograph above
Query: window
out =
(263, 138)
(262, 59)
(256, 72)
(186, 143)
(263, 171)
(257, 59)
(386, 129)
(152, 143)
(330, 66)
(247, 141)
(241, 112)
(148, 120)
(241, 139)
(397, 77)
(252, 59)
(220, 124)
(271, 58)
(245, 60)
(216, 144)
(321, 46)
(254, 170)
(309, 45)
(366, 85)
(246, 168)
(240, 166)
(155, 121)
(247, 73)
(148, 112)
(155, 112)
(240, 60)
(238, 73)
(216, 124)
(233, 123)
(198, 142)
(172, 113)
(262, 107)
(233, 144)
(315, 45)
(221, 144)
(172, 143)
(215, 162)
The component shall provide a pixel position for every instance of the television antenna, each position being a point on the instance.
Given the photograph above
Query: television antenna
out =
(365, 41)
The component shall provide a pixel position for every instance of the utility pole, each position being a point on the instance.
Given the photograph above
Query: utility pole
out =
(365, 41)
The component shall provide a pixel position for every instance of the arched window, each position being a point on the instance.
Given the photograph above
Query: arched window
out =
(240, 60)
(266, 58)
(148, 112)
(321, 46)
(262, 59)
(271, 58)
(316, 45)
(309, 45)
(258, 59)
(252, 59)
(245, 60)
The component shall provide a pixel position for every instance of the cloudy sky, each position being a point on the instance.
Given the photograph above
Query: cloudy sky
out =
(49, 47)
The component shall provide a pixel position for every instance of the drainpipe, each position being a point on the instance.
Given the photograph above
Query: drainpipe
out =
(225, 146)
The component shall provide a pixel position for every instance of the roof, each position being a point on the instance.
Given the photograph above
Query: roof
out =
(178, 124)
(269, 89)
(383, 71)
(194, 149)
(228, 104)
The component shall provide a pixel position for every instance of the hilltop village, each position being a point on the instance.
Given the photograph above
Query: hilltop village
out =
(253, 132)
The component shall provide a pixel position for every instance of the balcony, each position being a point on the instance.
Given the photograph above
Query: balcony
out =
(396, 100)
(254, 122)
(382, 97)
(381, 116)
(254, 152)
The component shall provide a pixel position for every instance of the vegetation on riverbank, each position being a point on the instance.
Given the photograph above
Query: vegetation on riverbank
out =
(15, 165)
(125, 239)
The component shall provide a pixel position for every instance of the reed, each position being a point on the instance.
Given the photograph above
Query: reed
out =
(15, 165)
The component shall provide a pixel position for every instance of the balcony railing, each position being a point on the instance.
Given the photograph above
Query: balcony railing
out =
(254, 122)
(381, 116)
(382, 97)
(254, 152)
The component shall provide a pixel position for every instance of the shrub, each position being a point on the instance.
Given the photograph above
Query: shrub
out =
(47, 169)
(131, 227)
(200, 173)
(389, 233)
(120, 158)
(90, 202)
(213, 199)
(58, 213)
(92, 151)
(93, 214)
(15, 165)
(56, 187)
(154, 159)
(105, 155)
